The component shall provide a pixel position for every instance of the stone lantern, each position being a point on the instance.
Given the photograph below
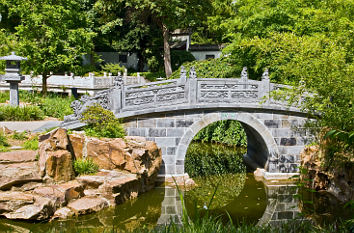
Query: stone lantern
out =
(13, 75)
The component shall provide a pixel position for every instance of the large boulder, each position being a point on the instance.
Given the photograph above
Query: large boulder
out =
(19, 205)
(56, 156)
(18, 173)
(63, 193)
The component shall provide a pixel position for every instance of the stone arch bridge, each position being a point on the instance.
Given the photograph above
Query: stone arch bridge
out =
(172, 112)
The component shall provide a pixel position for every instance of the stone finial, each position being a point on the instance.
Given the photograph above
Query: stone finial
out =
(118, 80)
(192, 73)
(244, 74)
(265, 75)
(183, 73)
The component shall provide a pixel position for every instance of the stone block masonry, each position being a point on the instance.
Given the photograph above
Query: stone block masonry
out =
(271, 144)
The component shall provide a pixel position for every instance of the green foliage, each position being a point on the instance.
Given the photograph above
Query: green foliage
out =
(85, 166)
(26, 113)
(228, 132)
(212, 68)
(151, 76)
(178, 57)
(204, 159)
(56, 106)
(113, 68)
(52, 35)
(102, 123)
(31, 144)
(3, 143)
(52, 105)
(3, 140)
(19, 135)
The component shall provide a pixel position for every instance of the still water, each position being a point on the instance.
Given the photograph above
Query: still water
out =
(237, 195)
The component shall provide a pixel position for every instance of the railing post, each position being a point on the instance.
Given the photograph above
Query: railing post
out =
(117, 94)
(192, 86)
(265, 86)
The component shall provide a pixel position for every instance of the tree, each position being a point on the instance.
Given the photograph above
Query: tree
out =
(53, 35)
(166, 15)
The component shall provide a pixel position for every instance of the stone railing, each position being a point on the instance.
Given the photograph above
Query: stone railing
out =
(64, 83)
(183, 93)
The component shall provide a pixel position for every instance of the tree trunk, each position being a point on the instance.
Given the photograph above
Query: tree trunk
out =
(141, 62)
(44, 84)
(166, 51)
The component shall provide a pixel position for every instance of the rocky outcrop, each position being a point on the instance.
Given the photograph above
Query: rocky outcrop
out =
(56, 156)
(337, 182)
(48, 188)
(132, 154)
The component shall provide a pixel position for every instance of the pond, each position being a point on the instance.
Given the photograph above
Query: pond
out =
(237, 195)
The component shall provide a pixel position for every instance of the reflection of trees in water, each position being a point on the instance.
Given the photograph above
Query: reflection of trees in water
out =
(203, 159)
(145, 210)
(221, 189)
(323, 207)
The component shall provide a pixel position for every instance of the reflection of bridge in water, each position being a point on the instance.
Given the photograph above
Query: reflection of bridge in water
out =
(172, 112)
(282, 206)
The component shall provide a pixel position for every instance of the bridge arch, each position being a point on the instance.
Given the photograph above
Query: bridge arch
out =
(260, 142)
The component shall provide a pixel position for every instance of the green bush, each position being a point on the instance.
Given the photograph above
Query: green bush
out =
(3, 143)
(228, 132)
(56, 106)
(113, 68)
(31, 144)
(26, 113)
(178, 57)
(85, 166)
(212, 68)
(101, 123)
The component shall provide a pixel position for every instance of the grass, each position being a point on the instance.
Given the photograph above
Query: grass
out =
(31, 144)
(85, 166)
(52, 105)
(26, 113)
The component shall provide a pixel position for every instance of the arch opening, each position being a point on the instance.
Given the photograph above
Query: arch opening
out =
(260, 143)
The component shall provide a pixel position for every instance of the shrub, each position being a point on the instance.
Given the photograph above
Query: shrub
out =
(212, 68)
(31, 144)
(227, 132)
(85, 166)
(178, 57)
(102, 123)
(26, 113)
(56, 106)
(113, 68)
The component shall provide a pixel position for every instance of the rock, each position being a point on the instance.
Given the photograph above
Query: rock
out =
(99, 150)
(337, 182)
(87, 205)
(59, 165)
(4, 130)
(10, 201)
(18, 173)
(19, 205)
(77, 142)
(93, 181)
(55, 155)
(63, 213)
(121, 187)
(63, 193)
(19, 156)
(26, 187)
